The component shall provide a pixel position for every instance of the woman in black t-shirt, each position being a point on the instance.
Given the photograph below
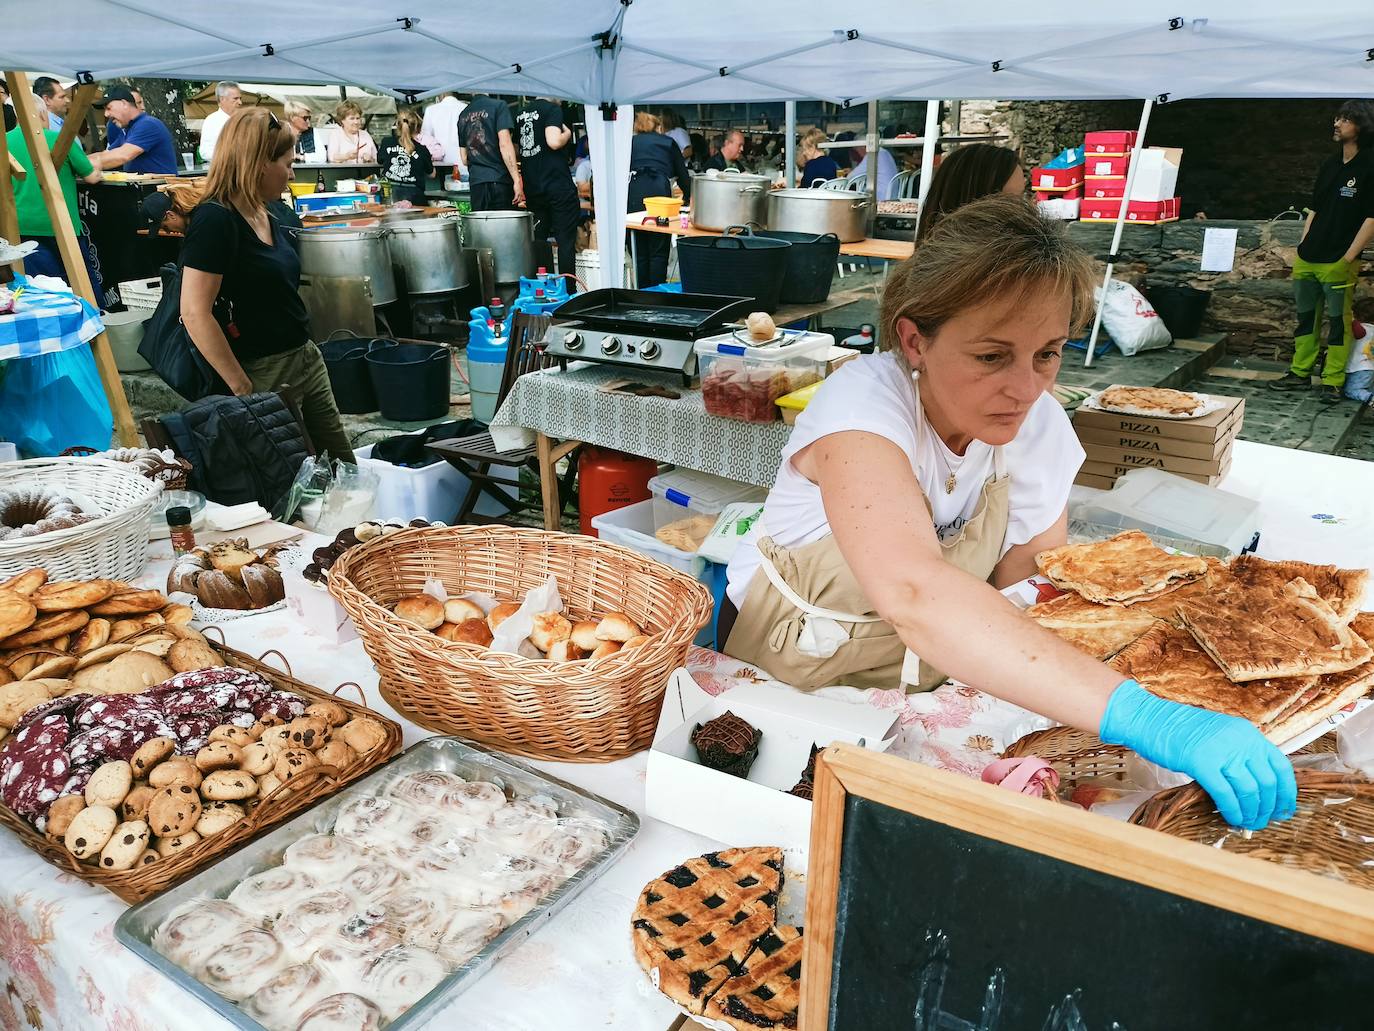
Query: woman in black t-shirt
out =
(406, 164)
(241, 254)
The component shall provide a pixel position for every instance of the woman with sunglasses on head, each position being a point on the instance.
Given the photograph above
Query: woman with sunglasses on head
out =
(240, 278)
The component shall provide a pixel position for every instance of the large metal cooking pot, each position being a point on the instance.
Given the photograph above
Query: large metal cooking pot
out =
(728, 198)
(351, 251)
(510, 237)
(429, 252)
(841, 212)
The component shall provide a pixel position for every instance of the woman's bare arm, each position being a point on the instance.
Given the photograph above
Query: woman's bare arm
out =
(952, 620)
(1019, 561)
(198, 292)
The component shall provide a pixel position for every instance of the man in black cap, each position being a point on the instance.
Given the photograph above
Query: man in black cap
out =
(146, 145)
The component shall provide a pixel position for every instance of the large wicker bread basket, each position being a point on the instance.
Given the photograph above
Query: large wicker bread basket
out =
(113, 547)
(577, 711)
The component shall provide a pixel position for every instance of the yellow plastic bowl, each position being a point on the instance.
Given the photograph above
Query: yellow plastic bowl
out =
(301, 189)
(662, 207)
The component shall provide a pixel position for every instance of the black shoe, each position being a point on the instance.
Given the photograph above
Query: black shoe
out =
(1328, 394)
(1290, 382)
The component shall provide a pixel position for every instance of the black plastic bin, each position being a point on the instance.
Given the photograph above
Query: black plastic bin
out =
(411, 379)
(345, 358)
(810, 263)
(1181, 308)
(734, 266)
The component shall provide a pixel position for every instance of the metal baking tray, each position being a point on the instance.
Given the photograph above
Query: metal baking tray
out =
(1084, 532)
(136, 927)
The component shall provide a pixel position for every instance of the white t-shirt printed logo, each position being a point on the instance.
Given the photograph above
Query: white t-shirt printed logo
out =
(527, 119)
(399, 169)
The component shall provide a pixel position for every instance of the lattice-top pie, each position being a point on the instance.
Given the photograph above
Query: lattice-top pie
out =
(709, 928)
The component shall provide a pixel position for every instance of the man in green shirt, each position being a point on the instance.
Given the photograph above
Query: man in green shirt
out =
(34, 223)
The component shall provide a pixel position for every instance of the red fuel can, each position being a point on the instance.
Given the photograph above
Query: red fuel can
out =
(610, 479)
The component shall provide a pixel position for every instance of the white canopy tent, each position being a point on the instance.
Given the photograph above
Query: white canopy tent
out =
(623, 52)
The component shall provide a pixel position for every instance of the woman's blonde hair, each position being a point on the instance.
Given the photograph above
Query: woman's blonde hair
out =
(812, 137)
(252, 139)
(407, 128)
(346, 108)
(995, 249)
(645, 122)
(292, 108)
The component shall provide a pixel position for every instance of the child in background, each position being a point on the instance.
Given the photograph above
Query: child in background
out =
(1359, 370)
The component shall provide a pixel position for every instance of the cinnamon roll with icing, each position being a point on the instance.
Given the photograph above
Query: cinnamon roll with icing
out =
(323, 856)
(342, 1012)
(424, 788)
(401, 977)
(243, 964)
(292, 991)
(272, 892)
(372, 879)
(196, 929)
(313, 919)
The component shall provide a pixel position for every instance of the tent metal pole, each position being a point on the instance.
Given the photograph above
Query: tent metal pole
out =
(789, 152)
(871, 149)
(1120, 225)
(932, 142)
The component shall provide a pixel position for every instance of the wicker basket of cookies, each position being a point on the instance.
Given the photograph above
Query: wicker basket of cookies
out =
(557, 700)
(77, 518)
(135, 751)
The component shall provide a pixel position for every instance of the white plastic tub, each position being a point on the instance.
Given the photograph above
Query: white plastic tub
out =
(683, 493)
(742, 380)
(430, 492)
(633, 527)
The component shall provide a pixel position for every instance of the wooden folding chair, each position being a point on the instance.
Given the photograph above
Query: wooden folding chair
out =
(475, 454)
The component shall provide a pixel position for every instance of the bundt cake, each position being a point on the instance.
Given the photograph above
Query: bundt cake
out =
(35, 510)
(228, 575)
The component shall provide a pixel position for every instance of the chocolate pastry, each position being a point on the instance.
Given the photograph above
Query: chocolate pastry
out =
(727, 743)
(803, 787)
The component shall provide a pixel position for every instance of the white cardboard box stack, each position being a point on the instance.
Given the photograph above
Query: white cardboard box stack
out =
(1198, 449)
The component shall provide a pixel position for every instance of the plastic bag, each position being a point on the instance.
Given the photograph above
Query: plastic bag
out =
(1133, 324)
(327, 498)
(52, 402)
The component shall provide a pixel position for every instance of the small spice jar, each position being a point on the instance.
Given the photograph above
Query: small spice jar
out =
(179, 527)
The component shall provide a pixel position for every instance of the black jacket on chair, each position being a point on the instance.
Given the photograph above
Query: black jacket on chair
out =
(241, 448)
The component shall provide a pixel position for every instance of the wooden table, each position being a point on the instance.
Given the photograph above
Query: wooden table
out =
(885, 250)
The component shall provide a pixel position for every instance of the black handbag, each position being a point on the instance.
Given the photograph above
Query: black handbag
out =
(168, 348)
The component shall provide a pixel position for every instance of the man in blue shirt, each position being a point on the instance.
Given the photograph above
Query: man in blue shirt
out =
(146, 145)
(55, 99)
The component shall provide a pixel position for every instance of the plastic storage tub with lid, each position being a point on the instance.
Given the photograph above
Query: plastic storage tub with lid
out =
(743, 379)
(687, 504)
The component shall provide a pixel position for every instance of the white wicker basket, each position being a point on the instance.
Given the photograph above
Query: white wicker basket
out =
(114, 547)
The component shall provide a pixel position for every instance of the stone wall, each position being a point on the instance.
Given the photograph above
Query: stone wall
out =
(1253, 303)
(1241, 158)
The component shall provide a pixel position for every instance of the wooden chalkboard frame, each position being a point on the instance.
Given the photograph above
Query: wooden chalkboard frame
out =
(1299, 901)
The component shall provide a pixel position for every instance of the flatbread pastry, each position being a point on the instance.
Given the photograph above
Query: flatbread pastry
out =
(1255, 633)
(1160, 400)
(1342, 589)
(1099, 630)
(1123, 569)
(1334, 691)
(1168, 663)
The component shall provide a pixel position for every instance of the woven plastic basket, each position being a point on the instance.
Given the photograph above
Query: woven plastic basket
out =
(113, 547)
(578, 712)
(1330, 834)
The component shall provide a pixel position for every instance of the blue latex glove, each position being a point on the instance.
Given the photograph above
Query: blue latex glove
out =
(1249, 779)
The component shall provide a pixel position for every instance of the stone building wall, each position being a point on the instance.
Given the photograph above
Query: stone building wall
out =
(1253, 303)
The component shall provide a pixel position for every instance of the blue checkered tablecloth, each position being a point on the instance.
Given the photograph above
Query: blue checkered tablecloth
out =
(47, 321)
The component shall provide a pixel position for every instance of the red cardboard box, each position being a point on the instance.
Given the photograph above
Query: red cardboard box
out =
(1099, 188)
(1056, 178)
(1105, 165)
(1115, 142)
(1141, 212)
(1067, 193)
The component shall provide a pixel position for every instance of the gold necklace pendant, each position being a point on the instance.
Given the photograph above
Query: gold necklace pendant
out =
(949, 484)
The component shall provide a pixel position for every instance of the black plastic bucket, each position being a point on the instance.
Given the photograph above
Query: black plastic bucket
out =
(345, 358)
(411, 379)
(810, 263)
(1181, 308)
(734, 266)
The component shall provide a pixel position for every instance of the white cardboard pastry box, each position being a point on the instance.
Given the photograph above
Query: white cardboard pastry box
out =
(756, 810)
(317, 610)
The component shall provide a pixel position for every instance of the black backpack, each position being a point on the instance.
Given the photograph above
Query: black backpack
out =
(168, 348)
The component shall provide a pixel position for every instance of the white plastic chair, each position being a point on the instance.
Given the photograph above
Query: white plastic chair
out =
(857, 183)
(904, 185)
(830, 184)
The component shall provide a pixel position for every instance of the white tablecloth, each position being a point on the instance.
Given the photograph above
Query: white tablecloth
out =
(63, 969)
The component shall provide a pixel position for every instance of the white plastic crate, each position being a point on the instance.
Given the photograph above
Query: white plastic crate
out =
(429, 492)
(589, 268)
(141, 293)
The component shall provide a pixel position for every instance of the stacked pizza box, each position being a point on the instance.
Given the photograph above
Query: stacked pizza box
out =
(1197, 449)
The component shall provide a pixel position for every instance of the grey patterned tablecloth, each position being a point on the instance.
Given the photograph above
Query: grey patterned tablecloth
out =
(572, 406)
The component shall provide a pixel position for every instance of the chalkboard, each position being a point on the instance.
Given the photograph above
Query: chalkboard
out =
(940, 926)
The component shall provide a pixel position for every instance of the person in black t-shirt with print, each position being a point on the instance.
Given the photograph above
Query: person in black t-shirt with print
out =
(486, 149)
(406, 164)
(1339, 226)
(237, 253)
(549, 191)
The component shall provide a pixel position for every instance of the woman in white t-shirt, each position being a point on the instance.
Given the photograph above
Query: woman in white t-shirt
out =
(921, 480)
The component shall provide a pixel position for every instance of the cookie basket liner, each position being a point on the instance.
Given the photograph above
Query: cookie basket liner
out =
(114, 546)
(143, 881)
(136, 928)
(574, 712)
(1331, 835)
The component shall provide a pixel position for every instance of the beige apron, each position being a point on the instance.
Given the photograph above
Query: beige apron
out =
(813, 582)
